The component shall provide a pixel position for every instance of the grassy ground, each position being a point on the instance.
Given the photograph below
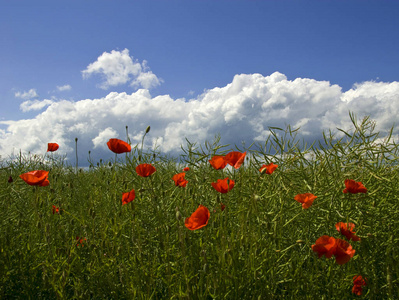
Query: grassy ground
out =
(258, 247)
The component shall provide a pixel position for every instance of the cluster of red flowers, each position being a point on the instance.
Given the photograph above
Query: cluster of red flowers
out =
(358, 283)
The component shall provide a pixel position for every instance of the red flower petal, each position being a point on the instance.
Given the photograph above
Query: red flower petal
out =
(306, 199)
(118, 146)
(268, 169)
(235, 158)
(145, 170)
(38, 177)
(223, 185)
(52, 147)
(218, 162)
(128, 197)
(198, 219)
(354, 187)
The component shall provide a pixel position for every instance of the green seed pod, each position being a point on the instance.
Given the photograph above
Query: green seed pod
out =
(147, 130)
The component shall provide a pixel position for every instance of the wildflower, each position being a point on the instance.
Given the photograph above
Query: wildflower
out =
(186, 169)
(80, 241)
(354, 187)
(235, 158)
(223, 185)
(10, 180)
(358, 282)
(179, 179)
(222, 207)
(218, 162)
(328, 246)
(343, 252)
(38, 177)
(198, 219)
(56, 210)
(268, 169)
(118, 146)
(145, 170)
(51, 147)
(325, 245)
(346, 229)
(306, 199)
(128, 197)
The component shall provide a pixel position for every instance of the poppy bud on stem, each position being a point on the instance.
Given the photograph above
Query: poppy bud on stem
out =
(76, 151)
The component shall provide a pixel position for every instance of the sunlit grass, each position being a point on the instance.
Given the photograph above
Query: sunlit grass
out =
(258, 247)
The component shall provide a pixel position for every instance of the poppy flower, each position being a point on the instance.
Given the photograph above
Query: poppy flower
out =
(343, 252)
(346, 229)
(38, 177)
(128, 197)
(222, 206)
(354, 187)
(51, 147)
(145, 170)
(56, 210)
(223, 185)
(118, 146)
(358, 282)
(80, 241)
(268, 169)
(179, 179)
(218, 162)
(198, 219)
(328, 246)
(325, 245)
(186, 169)
(306, 199)
(235, 158)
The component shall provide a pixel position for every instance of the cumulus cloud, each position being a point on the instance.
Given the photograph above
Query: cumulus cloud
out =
(65, 87)
(26, 95)
(241, 111)
(34, 104)
(118, 67)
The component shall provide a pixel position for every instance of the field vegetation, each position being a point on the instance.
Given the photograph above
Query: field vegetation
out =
(76, 239)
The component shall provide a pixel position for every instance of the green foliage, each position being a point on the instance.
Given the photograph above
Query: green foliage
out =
(259, 247)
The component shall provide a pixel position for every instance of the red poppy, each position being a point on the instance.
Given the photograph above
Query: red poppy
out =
(325, 245)
(145, 170)
(222, 206)
(358, 282)
(52, 147)
(223, 185)
(118, 146)
(346, 229)
(186, 169)
(354, 187)
(235, 158)
(343, 252)
(268, 169)
(179, 179)
(218, 162)
(128, 197)
(198, 219)
(80, 241)
(38, 177)
(306, 199)
(56, 210)
(328, 246)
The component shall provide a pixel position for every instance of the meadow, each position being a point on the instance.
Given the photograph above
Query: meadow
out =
(74, 239)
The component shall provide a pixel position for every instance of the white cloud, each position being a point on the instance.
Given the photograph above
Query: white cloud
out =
(65, 87)
(241, 111)
(34, 104)
(118, 68)
(26, 95)
(103, 137)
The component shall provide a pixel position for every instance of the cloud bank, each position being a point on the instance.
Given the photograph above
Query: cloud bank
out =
(241, 111)
(118, 67)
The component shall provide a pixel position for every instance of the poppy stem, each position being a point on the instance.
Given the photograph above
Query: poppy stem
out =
(76, 152)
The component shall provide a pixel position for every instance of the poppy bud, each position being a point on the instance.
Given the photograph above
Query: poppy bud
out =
(147, 130)
(10, 180)
(178, 215)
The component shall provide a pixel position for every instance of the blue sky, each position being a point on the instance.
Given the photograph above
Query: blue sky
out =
(190, 50)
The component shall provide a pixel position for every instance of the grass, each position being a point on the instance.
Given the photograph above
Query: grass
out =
(259, 247)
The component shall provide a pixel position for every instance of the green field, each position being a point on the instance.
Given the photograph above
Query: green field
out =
(258, 247)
